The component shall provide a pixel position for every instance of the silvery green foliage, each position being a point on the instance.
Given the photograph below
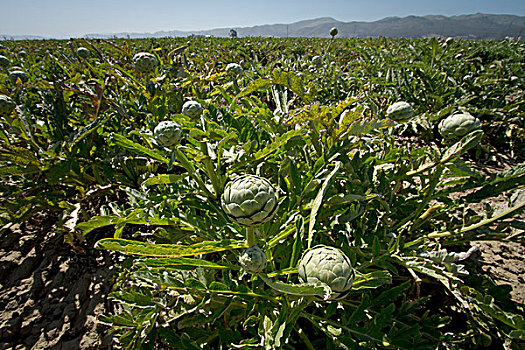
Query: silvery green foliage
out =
(4, 62)
(168, 133)
(328, 265)
(400, 111)
(250, 200)
(317, 61)
(449, 260)
(253, 259)
(443, 256)
(145, 62)
(6, 105)
(192, 109)
(333, 31)
(22, 54)
(458, 125)
(18, 74)
(234, 69)
(83, 52)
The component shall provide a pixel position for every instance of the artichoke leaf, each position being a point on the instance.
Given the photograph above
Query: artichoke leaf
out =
(303, 289)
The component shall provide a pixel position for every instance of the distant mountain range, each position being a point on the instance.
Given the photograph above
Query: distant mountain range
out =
(477, 26)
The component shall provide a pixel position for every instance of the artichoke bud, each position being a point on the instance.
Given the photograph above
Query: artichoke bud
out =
(328, 265)
(168, 133)
(14, 75)
(250, 200)
(234, 69)
(253, 259)
(7, 105)
(454, 127)
(192, 109)
(83, 52)
(4, 61)
(145, 62)
(400, 111)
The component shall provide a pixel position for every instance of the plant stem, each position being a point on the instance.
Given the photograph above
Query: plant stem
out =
(250, 236)
(303, 337)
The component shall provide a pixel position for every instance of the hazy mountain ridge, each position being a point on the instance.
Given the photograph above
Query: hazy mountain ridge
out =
(474, 26)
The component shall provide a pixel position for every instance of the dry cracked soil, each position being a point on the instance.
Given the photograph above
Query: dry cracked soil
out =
(50, 295)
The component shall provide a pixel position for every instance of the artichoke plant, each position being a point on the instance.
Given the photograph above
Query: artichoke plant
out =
(333, 32)
(83, 52)
(192, 109)
(4, 62)
(253, 259)
(18, 74)
(6, 105)
(317, 61)
(234, 69)
(400, 111)
(250, 200)
(456, 126)
(145, 62)
(328, 265)
(168, 133)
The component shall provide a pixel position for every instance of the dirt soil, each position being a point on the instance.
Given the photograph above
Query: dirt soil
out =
(504, 263)
(50, 295)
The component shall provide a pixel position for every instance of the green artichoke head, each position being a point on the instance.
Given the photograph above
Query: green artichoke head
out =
(145, 62)
(328, 265)
(333, 31)
(7, 105)
(250, 200)
(400, 111)
(253, 259)
(317, 61)
(192, 109)
(83, 52)
(234, 69)
(4, 62)
(168, 133)
(18, 74)
(454, 127)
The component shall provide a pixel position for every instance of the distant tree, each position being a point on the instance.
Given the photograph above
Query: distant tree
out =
(233, 33)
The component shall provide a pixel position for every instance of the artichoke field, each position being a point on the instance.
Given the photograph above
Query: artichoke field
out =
(272, 193)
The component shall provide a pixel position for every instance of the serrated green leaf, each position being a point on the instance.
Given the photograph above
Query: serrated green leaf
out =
(167, 250)
(163, 179)
(318, 201)
(371, 280)
(179, 261)
(304, 289)
(279, 141)
(139, 149)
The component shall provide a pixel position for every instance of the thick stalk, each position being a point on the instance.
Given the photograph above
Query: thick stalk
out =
(250, 236)
(236, 86)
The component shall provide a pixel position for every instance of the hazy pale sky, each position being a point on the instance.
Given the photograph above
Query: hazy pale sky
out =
(66, 18)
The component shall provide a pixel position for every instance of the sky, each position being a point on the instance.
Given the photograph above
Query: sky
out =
(73, 18)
